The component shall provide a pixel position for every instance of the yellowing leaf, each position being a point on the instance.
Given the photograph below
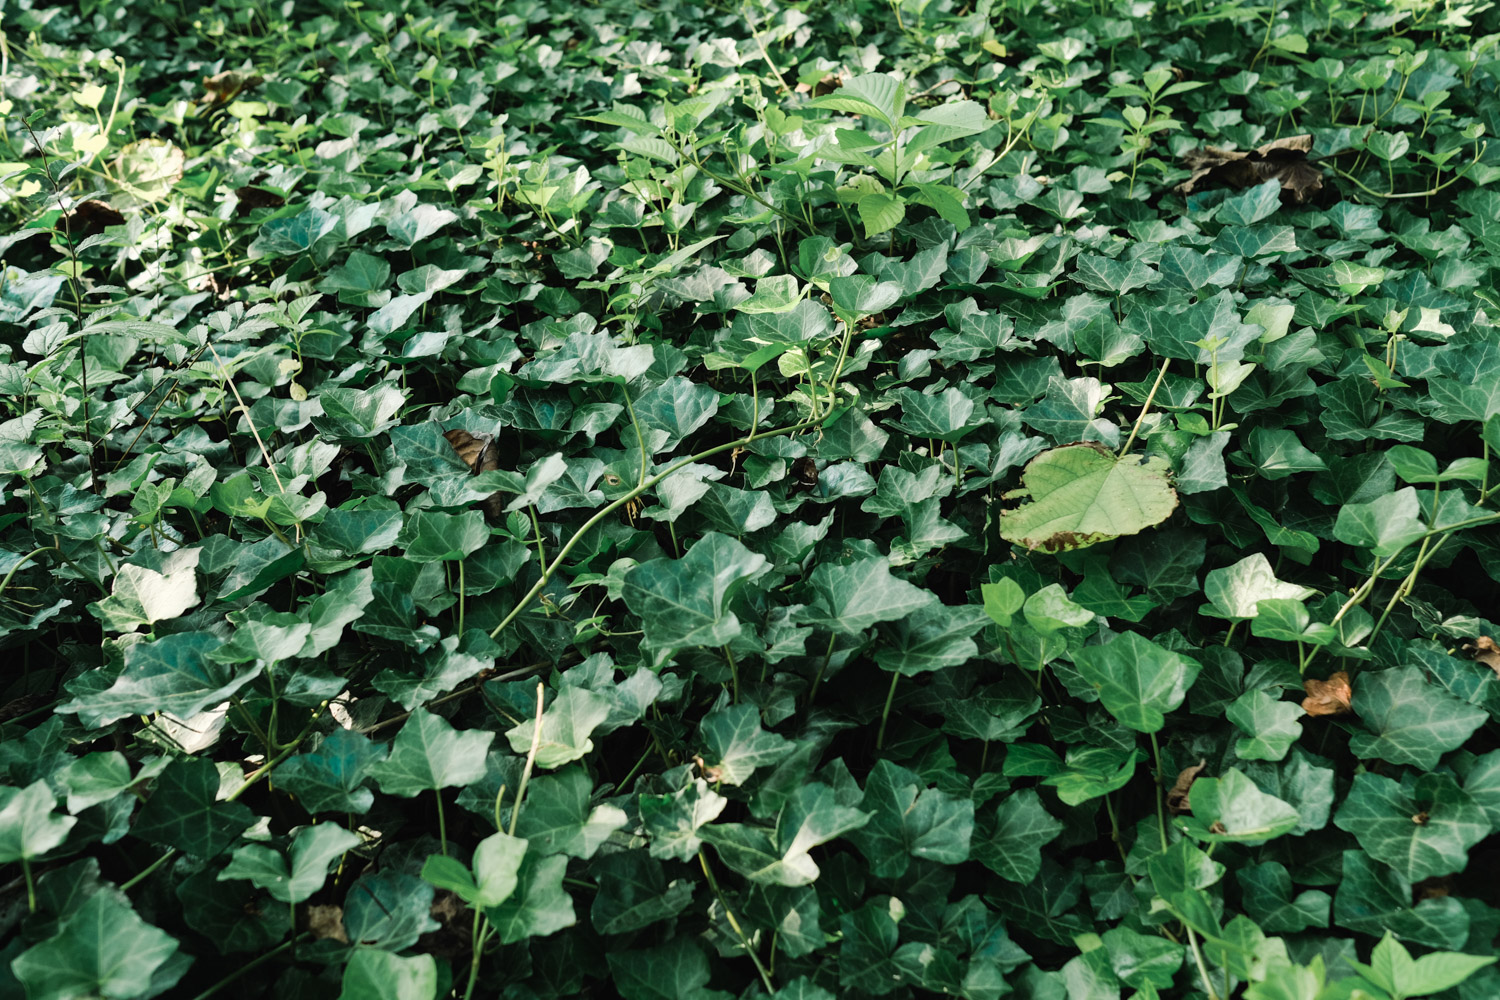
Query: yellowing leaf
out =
(1081, 494)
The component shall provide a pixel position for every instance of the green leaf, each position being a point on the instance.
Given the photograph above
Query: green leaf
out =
(684, 602)
(1049, 611)
(851, 598)
(1081, 494)
(910, 820)
(1409, 721)
(557, 818)
(874, 94)
(1232, 809)
(565, 728)
(634, 892)
(677, 970)
(1235, 591)
(1138, 681)
(1144, 961)
(302, 872)
(1012, 847)
(674, 821)
(173, 674)
(332, 777)
(432, 536)
(1393, 969)
(142, 596)
(1002, 600)
(429, 754)
(539, 907)
(1267, 892)
(103, 949)
(1087, 773)
(735, 744)
(880, 213)
(1372, 898)
(1269, 724)
(372, 974)
(812, 816)
(1252, 205)
(28, 828)
(931, 638)
(1384, 526)
(497, 862)
(184, 811)
(1421, 826)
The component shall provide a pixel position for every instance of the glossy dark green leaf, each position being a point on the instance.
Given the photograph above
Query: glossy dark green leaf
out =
(1421, 826)
(910, 820)
(184, 811)
(683, 602)
(429, 754)
(1408, 720)
(103, 949)
(1138, 680)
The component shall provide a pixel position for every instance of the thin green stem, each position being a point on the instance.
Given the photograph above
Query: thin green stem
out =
(885, 714)
(442, 823)
(1161, 814)
(734, 673)
(713, 884)
(249, 966)
(30, 885)
(640, 439)
(145, 873)
(812, 692)
(1208, 984)
(1145, 407)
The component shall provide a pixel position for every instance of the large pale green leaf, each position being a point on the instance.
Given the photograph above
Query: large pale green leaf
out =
(1138, 680)
(566, 725)
(494, 875)
(1234, 591)
(373, 974)
(429, 754)
(779, 856)
(558, 817)
(1081, 494)
(140, 595)
(1422, 826)
(173, 674)
(539, 906)
(1269, 724)
(28, 827)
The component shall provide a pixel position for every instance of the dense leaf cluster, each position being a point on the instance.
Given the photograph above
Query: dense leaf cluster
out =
(691, 500)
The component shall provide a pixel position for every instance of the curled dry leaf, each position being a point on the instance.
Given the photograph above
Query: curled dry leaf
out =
(224, 87)
(1485, 650)
(1177, 795)
(90, 218)
(327, 922)
(480, 455)
(1284, 160)
(1330, 697)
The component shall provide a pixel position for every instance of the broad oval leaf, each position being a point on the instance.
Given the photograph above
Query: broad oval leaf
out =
(1081, 494)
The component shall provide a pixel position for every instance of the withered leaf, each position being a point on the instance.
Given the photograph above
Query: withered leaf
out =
(90, 218)
(480, 455)
(1283, 160)
(224, 87)
(1330, 697)
(805, 471)
(327, 922)
(1431, 888)
(1485, 650)
(249, 198)
(1177, 795)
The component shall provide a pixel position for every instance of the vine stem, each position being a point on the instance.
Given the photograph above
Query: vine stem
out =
(1161, 816)
(713, 884)
(1145, 407)
(885, 715)
(1208, 984)
(551, 569)
(248, 966)
(536, 744)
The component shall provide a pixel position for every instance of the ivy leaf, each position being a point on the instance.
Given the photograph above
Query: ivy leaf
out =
(1384, 526)
(1138, 681)
(332, 777)
(429, 754)
(736, 745)
(143, 596)
(1087, 773)
(28, 828)
(1081, 494)
(566, 725)
(297, 876)
(910, 820)
(175, 674)
(1393, 969)
(373, 974)
(1012, 847)
(1409, 721)
(1267, 892)
(103, 949)
(1421, 826)
(1269, 724)
(1235, 591)
(497, 862)
(432, 536)
(1232, 809)
(812, 816)
(684, 602)
(184, 811)
(677, 970)
(673, 821)
(931, 638)
(853, 597)
(1373, 898)
(539, 907)
(557, 818)
(634, 892)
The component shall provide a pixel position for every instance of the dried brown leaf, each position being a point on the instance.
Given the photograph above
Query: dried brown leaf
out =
(1330, 697)
(222, 88)
(480, 455)
(327, 922)
(1485, 650)
(90, 218)
(1283, 160)
(1177, 795)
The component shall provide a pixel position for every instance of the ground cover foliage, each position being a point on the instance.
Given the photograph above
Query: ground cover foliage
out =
(690, 500)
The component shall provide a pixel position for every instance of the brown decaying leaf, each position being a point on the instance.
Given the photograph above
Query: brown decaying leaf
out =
(90, 218)
(1330, 697)
(327, 922)
(1284, 160)
(224, 87)
(805, 472)
(479, 454)
(1177, 795)
(1485, 650)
